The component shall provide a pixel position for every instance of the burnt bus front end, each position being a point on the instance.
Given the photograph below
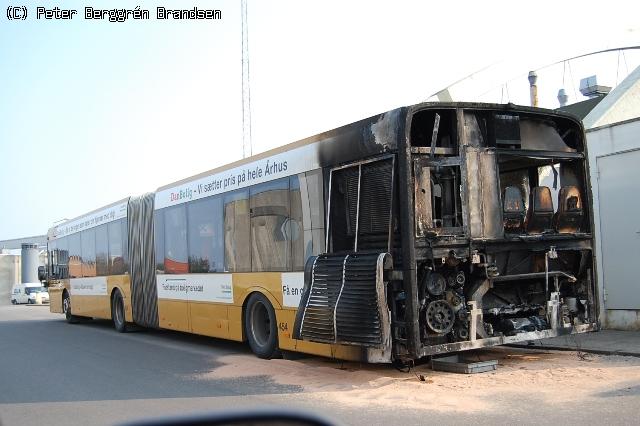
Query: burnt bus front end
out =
(474, 230)
(502, 226)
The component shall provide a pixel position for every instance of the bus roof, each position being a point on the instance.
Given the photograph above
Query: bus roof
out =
(361, 123)
(70, 224)
(401, 114)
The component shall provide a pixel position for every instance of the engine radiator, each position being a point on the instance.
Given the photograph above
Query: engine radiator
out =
(344, 300)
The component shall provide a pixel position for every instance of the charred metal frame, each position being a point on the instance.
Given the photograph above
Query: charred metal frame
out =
(476, 236)
(407, 230)
(407, 193)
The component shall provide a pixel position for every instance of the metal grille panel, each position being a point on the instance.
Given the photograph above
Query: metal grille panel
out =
(342, 303)
(375, 205)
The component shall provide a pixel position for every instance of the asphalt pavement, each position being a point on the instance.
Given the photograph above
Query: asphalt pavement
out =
(56, 373)
(92, 362)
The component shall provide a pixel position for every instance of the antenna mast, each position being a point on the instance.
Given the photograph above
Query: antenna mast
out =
(246, 88)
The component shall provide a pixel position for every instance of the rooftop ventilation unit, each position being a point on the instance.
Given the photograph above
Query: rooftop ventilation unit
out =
(589, 87)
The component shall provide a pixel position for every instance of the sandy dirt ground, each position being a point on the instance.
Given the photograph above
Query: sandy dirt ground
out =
(552, 378)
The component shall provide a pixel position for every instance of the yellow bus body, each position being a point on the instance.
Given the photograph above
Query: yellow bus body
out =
(219, 320)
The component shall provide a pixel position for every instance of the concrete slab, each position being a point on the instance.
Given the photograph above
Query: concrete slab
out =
(606, 342)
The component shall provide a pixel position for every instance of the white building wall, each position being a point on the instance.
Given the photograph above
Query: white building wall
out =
(622, 104)
(613, 129)
(604, 141)
(9, 275)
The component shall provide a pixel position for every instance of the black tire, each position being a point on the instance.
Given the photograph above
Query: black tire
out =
(13, 302)
(260, 327)
(66, 307)
(117, 312)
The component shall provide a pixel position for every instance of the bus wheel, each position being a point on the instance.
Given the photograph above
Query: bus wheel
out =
(260, 327)
(66, 307)
(117, 313)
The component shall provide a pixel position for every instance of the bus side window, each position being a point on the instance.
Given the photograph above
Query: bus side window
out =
(205, 235)
(75, 265)
(117, 249)
(88, 243)
(314, 235)
(295, 225)
(237, 240)
(102, 251)
(61, 267)
(270, 245)
(51, 256)
(175, 240)
(158, 235)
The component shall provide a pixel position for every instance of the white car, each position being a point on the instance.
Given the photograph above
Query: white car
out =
(31, 293)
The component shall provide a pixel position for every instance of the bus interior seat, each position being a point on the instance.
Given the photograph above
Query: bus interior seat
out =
(513, 209)
(540, 214)
(570, 214)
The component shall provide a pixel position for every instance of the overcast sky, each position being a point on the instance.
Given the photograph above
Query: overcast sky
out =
(92, 112)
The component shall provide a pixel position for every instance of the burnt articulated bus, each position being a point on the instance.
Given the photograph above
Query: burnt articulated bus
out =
(424, 230)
